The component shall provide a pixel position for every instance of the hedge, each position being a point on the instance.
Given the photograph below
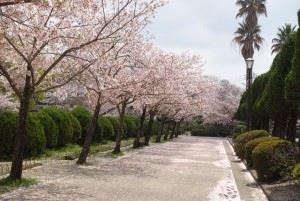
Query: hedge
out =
(296, 172)
(50, 128)
(250, 146)
(35, 140)
(8, 122)
(116, 122)
(241, 140)
(131, 125)
(84, 116)
(77, 129)
(64, 124)
(273, 159)
(107, 128)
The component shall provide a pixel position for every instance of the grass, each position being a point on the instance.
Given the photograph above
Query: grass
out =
(8, 184)
(73, 151)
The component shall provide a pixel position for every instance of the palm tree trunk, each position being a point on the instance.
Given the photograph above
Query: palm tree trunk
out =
(89, 135)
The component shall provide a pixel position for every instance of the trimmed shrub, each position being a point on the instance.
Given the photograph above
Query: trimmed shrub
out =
(115, 122)
(104, 130)
(241, 140)
(131, 125)
(8, 122)
(84, 116)
(63, 123)
(274, 159)
(50, 128)
(296, 172)
(77, 129)
(35, 140)
(211, 130)
(250, 146)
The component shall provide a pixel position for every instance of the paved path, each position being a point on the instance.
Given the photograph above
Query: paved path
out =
(188, 169)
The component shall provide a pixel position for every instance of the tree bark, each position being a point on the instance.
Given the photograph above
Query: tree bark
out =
(18, 151)
(149, 128)
(120, 133)
(292, 125)
(275, 131)
(161, 130)
(166, 136)
(137, 141)
(89, 135)
(173, 130)
(178, 129)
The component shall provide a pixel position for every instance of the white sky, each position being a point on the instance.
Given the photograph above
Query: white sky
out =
(206, 28)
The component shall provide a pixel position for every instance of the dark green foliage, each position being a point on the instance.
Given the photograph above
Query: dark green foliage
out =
(77, 130)
(273, 98)
(274, 159)
(50, 128)
(241, 140)
(35, 141)
(64, 124)
(106, 129)
(250, 146)
(292, 81)
(239, 129)
(211, 130)
(131, 125)
(84, 116)
(115, 121)
(8, 122)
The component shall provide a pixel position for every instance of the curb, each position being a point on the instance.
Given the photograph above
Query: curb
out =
(253, 176)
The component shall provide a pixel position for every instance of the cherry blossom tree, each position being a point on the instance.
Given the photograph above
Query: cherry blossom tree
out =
(46, 44)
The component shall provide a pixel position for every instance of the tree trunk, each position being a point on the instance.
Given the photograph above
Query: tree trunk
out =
(292, 125)
(178, 129)
(120, 133)
(283, 127)
(161, 130)
(173, 130)
(137, 141)
(166, 136)
(89, 135)
(149, 128)
(18, 151)
(275, 131)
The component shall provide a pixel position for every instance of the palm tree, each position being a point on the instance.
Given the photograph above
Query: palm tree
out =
(248, 39)
(283, 34)
(250, 9)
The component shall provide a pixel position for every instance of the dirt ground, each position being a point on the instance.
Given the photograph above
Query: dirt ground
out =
(187, 169)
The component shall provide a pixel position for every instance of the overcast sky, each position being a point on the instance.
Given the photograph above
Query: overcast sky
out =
(206, 28)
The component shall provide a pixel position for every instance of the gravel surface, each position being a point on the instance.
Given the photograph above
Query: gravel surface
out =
(187, 169)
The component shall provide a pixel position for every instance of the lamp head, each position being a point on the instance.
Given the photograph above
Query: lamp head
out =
(250, 63)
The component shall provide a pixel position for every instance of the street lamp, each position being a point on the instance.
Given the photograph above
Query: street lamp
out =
(249, 63)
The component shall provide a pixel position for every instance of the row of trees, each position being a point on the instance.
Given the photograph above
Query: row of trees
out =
(275, 94)
(100, 49)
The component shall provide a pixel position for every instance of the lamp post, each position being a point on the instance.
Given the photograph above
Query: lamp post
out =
(249, 63)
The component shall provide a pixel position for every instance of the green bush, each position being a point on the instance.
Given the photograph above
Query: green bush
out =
(84, 116)
(241, 140)
(250, 146)
(104, 130)
(239, 129)
(274, 159)
(115, 122)
(77, 129)
(296, 172)
(63, 123)
(50, 128)
(211, 130)
(35, 140)
(131, 125)
(8, 122)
